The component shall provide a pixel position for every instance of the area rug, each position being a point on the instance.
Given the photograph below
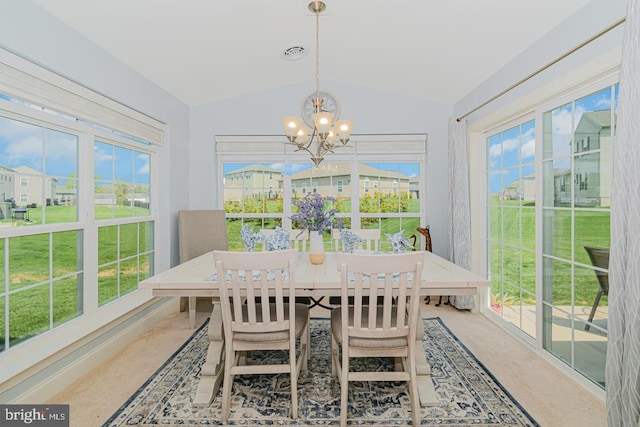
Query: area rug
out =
(469, 395)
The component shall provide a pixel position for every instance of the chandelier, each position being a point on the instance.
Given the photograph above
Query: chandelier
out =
(324, 110)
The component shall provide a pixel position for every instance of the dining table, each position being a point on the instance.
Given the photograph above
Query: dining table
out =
(196, 278)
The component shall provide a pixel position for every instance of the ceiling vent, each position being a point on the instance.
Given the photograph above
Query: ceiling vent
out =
(294, 53)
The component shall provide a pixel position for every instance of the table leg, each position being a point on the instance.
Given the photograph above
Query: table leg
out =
(192, 312)
(426, 389)
(213, 367)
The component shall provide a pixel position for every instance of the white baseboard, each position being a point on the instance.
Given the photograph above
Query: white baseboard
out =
(86, 360)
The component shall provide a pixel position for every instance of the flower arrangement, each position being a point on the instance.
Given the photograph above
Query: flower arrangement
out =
(314, 214)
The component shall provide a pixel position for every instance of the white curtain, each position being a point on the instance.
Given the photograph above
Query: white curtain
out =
(622, 373)
(459, 215)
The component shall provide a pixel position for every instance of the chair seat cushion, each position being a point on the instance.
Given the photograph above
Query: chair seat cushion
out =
(302, 315)
(336, 331)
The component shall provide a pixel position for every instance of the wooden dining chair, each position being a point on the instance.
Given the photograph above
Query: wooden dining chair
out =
(253, 287)
(385, 330)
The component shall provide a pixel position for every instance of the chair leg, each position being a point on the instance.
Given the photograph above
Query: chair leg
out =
(344, 390)
(593, 310)
(227, 383)
(334, 353)
(413, 391)
(294, 381)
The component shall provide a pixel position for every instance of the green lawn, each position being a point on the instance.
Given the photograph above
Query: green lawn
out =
(58, 292)
(510, 263)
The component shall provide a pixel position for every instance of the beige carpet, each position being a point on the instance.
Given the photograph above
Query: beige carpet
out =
(548, 395)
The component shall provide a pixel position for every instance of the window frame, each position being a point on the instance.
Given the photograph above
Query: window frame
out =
(40, 346)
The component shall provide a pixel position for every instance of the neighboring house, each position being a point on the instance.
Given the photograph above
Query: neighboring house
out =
(257, 181)
(65, 195)
(522, 189)
(6, 183)
(337, 181)
(29, 187)
(592, 170)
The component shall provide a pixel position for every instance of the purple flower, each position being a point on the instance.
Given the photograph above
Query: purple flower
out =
(314, 214)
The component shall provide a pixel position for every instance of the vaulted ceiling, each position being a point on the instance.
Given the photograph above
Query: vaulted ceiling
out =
(206, 50)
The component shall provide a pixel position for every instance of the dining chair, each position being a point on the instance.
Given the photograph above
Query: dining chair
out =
(428, 247)
(199, 232)
(385, 330)
(370, 239)
(255, 316)
(299, 239)
(599, 258)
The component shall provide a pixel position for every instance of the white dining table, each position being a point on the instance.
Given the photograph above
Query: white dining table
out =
(194, 279)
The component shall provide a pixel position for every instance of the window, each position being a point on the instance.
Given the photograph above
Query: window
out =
(511, 224)
(43, 283)
(389, 210)
(577, 149)
(543, 281)
(121, 181)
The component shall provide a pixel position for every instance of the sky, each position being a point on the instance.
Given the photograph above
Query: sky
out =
(516, 146)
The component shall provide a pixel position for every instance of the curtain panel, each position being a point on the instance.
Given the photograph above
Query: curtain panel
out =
(459, 215)
(622, 372)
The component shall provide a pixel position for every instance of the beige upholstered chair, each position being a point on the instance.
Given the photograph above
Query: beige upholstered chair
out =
(256, 317)
(388, 330)
(370, 237)
(199, 232)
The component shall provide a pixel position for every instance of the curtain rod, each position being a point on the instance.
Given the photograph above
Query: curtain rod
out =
(541, 69)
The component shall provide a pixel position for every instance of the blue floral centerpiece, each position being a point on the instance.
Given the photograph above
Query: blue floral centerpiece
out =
(316, 215)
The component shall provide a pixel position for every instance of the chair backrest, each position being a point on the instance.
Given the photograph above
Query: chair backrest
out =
(600, 258)
(299, 238)
(253, 287)
(427, 236)
(201, 231)
(370, 237)
(382, 278)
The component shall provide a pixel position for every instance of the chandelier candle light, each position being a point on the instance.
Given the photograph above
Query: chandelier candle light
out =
(325, 130)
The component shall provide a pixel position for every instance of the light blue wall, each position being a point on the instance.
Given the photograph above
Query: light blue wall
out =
(373, 112)
(594, 17)
(29, 31)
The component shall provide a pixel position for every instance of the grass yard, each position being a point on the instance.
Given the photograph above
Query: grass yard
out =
(46, 286)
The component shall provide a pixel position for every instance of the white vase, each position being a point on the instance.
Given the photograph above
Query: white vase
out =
(316, 248)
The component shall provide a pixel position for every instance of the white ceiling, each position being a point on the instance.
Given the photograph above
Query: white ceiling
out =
(207, 50)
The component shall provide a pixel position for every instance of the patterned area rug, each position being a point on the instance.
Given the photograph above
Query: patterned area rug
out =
(469, 395)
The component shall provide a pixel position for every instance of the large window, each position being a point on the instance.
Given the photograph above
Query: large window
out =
(384, 195)
(50, 211)
(549, 278)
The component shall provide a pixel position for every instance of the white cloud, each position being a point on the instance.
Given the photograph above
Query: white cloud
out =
(101, 156)
(144, 166)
